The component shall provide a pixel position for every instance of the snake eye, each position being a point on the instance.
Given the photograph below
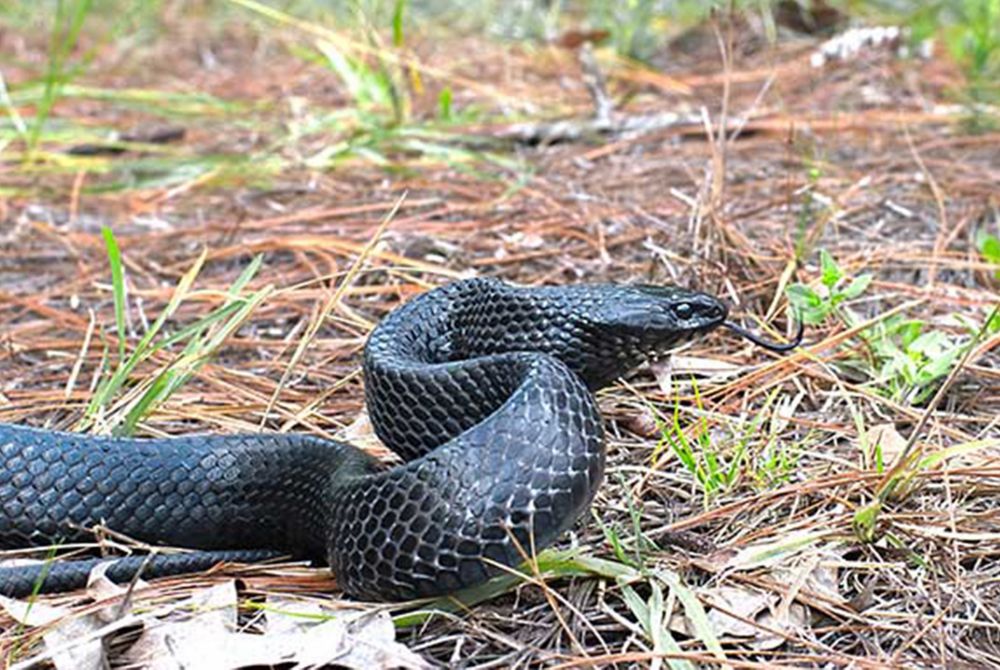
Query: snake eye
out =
(683, 310)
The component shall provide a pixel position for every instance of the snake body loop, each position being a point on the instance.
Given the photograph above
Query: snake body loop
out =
(484, 389)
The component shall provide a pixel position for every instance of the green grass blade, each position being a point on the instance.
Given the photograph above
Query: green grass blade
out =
(695, 612)
(663, 641)
(61, 45)
(196, 354)
(145, 404)
(117, 285)
(397, 23)
(551, 563)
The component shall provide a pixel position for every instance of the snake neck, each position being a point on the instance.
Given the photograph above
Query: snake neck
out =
(600, 332)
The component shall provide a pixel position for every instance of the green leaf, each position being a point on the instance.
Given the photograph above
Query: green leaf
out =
(807, 304)
(938, 366)
(770, 553)
(938, 457)
(803, 297)
(830, 273)
(856, 287)
(663, 640)
(695, 612)
(865, 520)
(612, 538)
(444, 104)
(367, 87)
(551, 563)
(117, 286)
(654, 621)
(989, 247)
(993, 325)
(909, 332)
(640, 610)
(929, 344)
(144, 404)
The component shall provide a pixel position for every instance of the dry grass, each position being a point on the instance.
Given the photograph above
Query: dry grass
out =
(861, 159)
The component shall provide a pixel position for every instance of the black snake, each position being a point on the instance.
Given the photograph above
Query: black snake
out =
(483, 388)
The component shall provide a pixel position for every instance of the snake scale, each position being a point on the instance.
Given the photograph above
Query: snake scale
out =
(484, 389)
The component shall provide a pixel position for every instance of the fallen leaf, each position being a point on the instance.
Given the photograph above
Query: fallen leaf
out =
(743, 612)
(818, 575)
(730, 605)
(198, 640)
(302, 634)
(686, 366)
(787, 620)
(117, 597)
(33, 614)
(366, 642)
(642, 422)
(884, 436)
(72, 641)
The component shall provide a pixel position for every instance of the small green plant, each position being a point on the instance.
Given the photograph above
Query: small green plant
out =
(765, 461)
(909, 359)
(445, 104)
(381, 79)
(653, 616)
(632, 552)
(373, 89)
(773, 461)
(905, 360)
(810, 218)
(974, 41)
(698, 454)
(813, 306)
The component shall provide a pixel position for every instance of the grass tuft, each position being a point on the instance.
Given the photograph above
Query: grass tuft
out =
(118, 405)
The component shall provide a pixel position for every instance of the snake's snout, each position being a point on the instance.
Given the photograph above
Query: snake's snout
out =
(710, 310)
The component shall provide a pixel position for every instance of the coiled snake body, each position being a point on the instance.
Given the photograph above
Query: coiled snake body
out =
(484, 389)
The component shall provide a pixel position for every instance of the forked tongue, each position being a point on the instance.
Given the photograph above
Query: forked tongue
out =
(770, 346)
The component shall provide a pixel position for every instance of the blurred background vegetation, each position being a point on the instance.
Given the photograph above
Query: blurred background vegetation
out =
(969, 29)
(638, 26)
(376, 50)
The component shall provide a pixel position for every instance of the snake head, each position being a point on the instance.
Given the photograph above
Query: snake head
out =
(662, 314)
(652, 319)
(620, 326)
